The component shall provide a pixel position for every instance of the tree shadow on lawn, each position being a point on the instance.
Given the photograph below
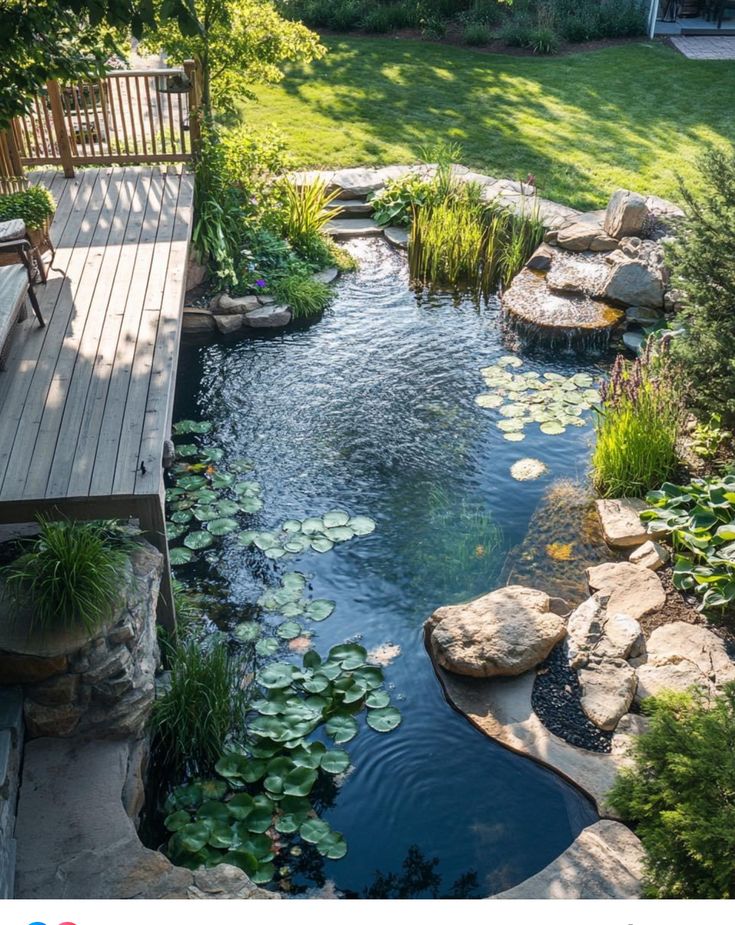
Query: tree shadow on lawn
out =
(632, 115)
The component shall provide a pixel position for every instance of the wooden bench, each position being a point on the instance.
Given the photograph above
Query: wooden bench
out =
(15, 287)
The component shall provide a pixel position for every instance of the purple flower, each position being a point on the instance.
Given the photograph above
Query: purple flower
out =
(260, 283)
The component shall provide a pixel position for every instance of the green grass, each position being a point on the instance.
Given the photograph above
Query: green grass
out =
(583, 124)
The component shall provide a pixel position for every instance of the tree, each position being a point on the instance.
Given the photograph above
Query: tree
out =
(237, 43)
(68, 40)
(703, 262)
(680, 796)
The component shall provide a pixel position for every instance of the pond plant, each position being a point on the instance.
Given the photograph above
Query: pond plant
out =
(265, 793)
(71, 574)
(638, 425)
(700, 520)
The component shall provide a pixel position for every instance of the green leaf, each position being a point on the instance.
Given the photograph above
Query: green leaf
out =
(248, 631)
(222, 526)
(176, 821)
(332, 846)
(199, 539)
(289, 630)
(214, 810)
(246, 861)
(384, 719)
(362, 526)
(180, 556)
(277, 676)
(341, 728)
(377, 699)
(299, 781)
(320, 609)
(194, 836)
(335, 761)
(313, 830)
(240, 806)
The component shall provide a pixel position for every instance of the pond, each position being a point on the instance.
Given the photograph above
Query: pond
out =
(372, 410)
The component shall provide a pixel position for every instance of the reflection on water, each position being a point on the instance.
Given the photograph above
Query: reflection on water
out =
(371, 410)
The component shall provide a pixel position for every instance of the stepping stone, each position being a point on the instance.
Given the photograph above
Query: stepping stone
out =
(398, 237)
(326, 276)
(348, 207)
(268, 316)
(341, 228)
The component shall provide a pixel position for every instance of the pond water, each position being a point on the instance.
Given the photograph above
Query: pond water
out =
(372, 409)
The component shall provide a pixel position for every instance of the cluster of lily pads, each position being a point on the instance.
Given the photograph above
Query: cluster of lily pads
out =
(318, 533)
(259, 807)
(206, 497)
(551, 400)
(290, 601)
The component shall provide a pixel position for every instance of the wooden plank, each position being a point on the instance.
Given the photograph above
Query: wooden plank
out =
(131, 281)
(159, 403)
(56, 454)
(78, 196)
(133, 413)
(92, 233)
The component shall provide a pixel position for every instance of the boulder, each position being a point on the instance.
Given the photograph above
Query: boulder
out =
(326, 276)
(633, 590)
(584, 277)
(267, 316)
(621, 523)
(639, 314)
(608, 687)
(396, 236)
(228, 324)
(236, 305)
(680, 655)
(634, 282)
(541, 259)
(506, 632)
(198, 321)
(594, 632)
(626, 214)
(650, 555)
(605, 861)
(624, 635)
(584, 236)
(634, 341)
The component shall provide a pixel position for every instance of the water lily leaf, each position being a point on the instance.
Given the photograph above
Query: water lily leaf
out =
(316, 684)
(294, 581)
(194, 836)
(552, 427)
(348, 649)
(212, 454)
(187, 449)
(188, 796)
(267, 647)
(512, 361)
(182, 517)
(221, 835)
(213, 809)
(319, 609)
(192, 427)
(250, 505)
(377, 699)
(199, 539)
(515, 436)
(180, 556)
(248, 631)
(341, 728)
(332, 846)
(299, 781)
(292, 609)
(288, 823)
(247, 537)
(222, 526)
(335, 761)
(513, 411)
(204, 495)
(246, 861)
(241, 465)
(227, 508)
(289, 630)
(308, 756)
(384, 719)
(339, 534)
(274, 552)
(489, 400)
(276, 676)
(264, 874)
(312, 659)
(240, 806)
(312, 525)
(313, 830)
(259, 820)
(510, 425)
(297, 544)
(222, 480)
(191, 482)
(207, 512)
(370, 675)
(322, 544)
(213, 789)
(336, 519)
(362, 526)
(177, 820)
(291, 526)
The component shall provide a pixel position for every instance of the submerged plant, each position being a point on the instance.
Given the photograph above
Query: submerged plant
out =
(638, 425)
(71, 574)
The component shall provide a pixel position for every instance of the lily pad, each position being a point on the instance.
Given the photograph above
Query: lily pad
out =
(319, 609)
(267, 647)
(227, 508)
(199, 539)
(336, 519)
(322, 544)
(332, 846)
(339, 534)
(291, 526)
(313, 830)
(384, 719)
(341, 728)
(180, 556)
(514, 437)
(489, 400)
(376, 700)
(274, 552)
(335, 761)
(182, 517)
(289, 630)
(208, 512)
(247, 632)
(510, 361)
(312, 525)
(250, 505)
(192, 427)
(222, 526)
(552, 428)
(362, 526)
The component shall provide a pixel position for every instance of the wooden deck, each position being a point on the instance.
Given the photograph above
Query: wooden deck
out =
(86, 402)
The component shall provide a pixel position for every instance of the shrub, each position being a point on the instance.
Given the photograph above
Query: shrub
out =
(305, 296)
(637, 426)
(251, 160)
(517, 31)
(700, 518)
(35, 206)
(304, 210)
(680, 796)
(203, 703)
(396, 202)
(703, 262)
(542, 40)
(71, 574)
(477, 33)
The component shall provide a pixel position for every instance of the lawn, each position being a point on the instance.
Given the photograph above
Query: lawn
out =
(630, 115)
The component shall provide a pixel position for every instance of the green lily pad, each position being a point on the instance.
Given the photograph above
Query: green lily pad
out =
(291, 526)
(246, 861)
(191, 449)
(299, 781)
(192, 427)
(312, 525)
(180, 556)
(208, 512)
(322, 544)
(335, 761)
(341, 728)
(247, 632)
(336, 519)
(274, 552)
(267, 647)
(265, 540)
(552, 428)
(182, 517)
(250, 505)
(512, 361)
(319, 609)
(294, 581)
(264, 874)
(277, 676)
(339, 534)
(191, 482)
(510, 425)
(313, 830)
(384, 719)
(376, 700)
(241, 465)
(297, 544)
(227, 508)
(222, 526)
(177, 820)
(240, 806)
(199, 539)
(489, 400)
(289, 630)
(362, 526)
(332, 846)
(222, 479)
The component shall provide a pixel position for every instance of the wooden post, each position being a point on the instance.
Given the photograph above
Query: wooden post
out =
(13, 151)
(191, 70)
(62, 136)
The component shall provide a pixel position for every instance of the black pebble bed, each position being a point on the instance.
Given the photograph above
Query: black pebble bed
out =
(556, 702)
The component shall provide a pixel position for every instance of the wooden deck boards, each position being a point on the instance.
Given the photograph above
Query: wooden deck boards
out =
(87, 399)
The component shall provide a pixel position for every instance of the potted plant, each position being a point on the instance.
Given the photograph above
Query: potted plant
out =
(35, 206)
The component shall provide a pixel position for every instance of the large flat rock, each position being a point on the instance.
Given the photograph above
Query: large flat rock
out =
(622, 526)
(605, 861)
(529, 299)
(76, 841)
(344, 228)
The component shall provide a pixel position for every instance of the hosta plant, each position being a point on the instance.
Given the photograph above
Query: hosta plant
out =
(700, 520)
(263, 799)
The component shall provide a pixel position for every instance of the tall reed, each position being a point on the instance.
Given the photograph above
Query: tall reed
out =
(306, 210)
(638, 426)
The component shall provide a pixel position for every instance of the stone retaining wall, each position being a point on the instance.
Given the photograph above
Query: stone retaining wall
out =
(11, 751)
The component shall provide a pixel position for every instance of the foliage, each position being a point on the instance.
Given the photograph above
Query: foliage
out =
(638, 425)
(680, 796)
(252, 160)
(237, 43)
(305, 210)
(71, 574)
(703, 262)
(267, 778)
(366, 103)
(305, 296)
(203, 702)
(35, 206)
(700, 518)
(708, 437)
(477, 33)
(396, 202)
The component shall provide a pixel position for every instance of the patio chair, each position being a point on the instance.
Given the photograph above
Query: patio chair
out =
(16, 284)
(14, 239)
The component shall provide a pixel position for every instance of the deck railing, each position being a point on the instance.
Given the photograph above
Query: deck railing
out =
(145, 116)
